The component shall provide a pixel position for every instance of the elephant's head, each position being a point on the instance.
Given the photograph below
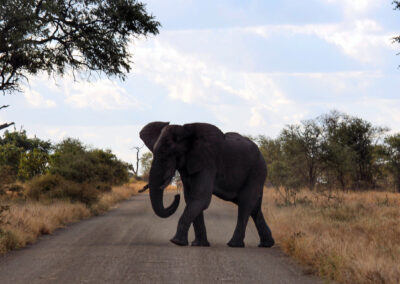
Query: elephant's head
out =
(174, 147)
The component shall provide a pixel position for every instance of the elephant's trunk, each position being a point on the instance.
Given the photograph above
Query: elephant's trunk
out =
(157, 186)
(156, 197)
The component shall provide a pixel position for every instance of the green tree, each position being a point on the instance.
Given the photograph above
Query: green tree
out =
(269, 148)
(32, 163)
(337, 155)
(392, 151)
(10, 155)
(48, 35)
(349, 147)
(302, 151)
(79, 35)
(109, 168)
(73, 161)
(21, 140)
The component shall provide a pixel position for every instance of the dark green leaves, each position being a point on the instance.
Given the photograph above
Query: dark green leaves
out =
(52, 35)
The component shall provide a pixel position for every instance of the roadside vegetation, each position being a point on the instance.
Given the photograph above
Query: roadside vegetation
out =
(348, 237)
(44, 186)
(333, 151)
(333, 197)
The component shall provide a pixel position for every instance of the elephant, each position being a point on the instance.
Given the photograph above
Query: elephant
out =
(228, 165)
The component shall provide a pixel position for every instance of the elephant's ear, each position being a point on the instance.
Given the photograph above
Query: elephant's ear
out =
(203, 142)
(150, 133)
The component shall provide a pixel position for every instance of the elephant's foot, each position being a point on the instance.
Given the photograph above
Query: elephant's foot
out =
(236, 244)
(179, 242)
(200, 243)
(266, 244)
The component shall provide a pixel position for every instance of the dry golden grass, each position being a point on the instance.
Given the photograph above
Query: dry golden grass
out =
(346, 237)
(109, 199)
(25, 221)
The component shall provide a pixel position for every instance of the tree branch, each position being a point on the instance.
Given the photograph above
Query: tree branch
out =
(5, 125)
(4, 106)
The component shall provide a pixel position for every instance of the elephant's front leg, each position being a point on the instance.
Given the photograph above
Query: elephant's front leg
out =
(200, 232)
(197, 200)
(190, 214)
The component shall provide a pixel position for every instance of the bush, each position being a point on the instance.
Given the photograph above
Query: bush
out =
(73, 161)
(103, 187)
(16, 188)
(7, 176)
(56, 187)
(32, 164)
(10, 156)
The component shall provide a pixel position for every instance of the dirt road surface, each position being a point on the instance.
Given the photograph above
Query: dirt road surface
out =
(130, 244)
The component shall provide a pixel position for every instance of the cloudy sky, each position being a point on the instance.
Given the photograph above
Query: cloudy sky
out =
(246, 66)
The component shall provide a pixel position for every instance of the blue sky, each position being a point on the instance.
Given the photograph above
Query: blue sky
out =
(246, 66)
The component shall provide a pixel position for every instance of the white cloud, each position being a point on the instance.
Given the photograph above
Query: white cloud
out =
(100, 94)
(356, 7)
(361, 39)
(194, 81)
(256, 118)
(35, 99)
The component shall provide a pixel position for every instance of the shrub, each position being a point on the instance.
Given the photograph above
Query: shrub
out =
(7, 176)
(74, 162)
(3, 208)
(43, 185)
(103, 187)
(10, 155)
(32, 164)
(16, 188)
(8, 241)
(56, 187)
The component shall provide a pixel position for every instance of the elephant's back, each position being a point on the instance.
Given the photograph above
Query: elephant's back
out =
(241, 145)
(239, 156)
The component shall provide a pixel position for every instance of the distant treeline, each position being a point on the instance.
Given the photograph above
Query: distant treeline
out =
(68, 169)
(335, 150)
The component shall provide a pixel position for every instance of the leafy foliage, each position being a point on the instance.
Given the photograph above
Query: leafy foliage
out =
(26, 157)
(32, 164)
(68, 170)
(397, 6)
(56, 187)
(392, 154)
(332, 150)
(74, 162)
(10, 155)
(89, 35)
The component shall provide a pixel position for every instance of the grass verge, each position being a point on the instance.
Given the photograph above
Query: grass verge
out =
(21, 223)
(345, 237)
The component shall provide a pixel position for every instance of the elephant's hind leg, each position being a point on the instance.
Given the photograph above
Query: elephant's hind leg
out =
(264, 231)
(239, 233)
(246, 203)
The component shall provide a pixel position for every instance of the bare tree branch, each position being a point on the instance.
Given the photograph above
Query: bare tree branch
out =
(5, 125)
(136, 171)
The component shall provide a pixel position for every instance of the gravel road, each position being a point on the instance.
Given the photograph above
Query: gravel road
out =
(130, 244)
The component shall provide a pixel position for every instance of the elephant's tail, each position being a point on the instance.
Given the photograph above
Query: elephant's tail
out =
(144, 188)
